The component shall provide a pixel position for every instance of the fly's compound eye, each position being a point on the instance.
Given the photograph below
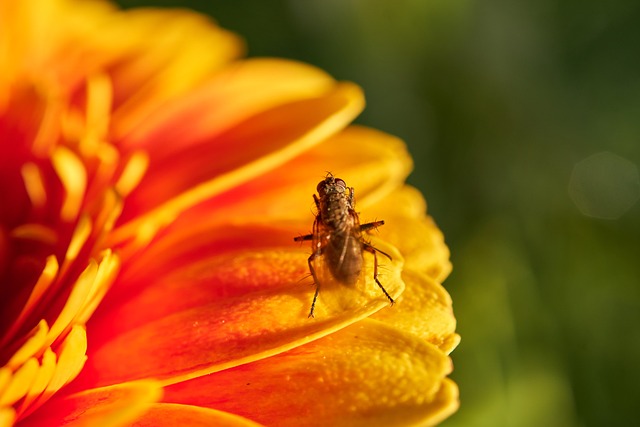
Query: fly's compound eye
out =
(341, 184)
(321, 188)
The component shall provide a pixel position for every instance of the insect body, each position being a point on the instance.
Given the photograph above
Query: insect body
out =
(337, 236)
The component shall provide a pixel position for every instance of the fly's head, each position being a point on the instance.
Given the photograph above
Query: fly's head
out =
(331, 185)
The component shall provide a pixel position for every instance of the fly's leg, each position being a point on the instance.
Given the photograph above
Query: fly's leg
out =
(352, 197)
(367, 247)
(315, 281)
(311, 270)
(372, 225)
(303, 238)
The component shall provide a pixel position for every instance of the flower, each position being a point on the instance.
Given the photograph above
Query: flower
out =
(152, 182)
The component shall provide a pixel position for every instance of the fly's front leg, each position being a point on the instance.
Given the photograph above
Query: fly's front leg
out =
(315, 280)
(303, 238)
(352, 197)
(367, 247)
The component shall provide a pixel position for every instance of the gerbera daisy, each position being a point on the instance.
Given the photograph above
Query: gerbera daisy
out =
(152, 183)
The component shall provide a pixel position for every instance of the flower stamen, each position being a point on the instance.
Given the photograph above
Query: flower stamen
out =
(47, 368)
(19, 383)
(132, 173)
(73, 176)
(34, 184)
(35, 232)
(31, 347)
(54, 376)
(98, 113)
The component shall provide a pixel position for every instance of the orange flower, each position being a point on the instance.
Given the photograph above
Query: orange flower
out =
(152, 183)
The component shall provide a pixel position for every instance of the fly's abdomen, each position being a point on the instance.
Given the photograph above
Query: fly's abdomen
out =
(343, 256)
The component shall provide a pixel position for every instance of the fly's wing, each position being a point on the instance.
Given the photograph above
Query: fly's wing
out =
(343, 252)
(355, 223)
(318, 236)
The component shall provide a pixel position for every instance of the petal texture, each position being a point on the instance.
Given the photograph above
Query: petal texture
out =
(261, 143)
(335, 381)
(237, 296)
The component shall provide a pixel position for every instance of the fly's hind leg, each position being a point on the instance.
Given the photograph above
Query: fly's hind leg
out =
(371, 226)
(311, 269)
(367, 247)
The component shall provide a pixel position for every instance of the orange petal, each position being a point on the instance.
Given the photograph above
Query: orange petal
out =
(7, 417)
(243, 89)
(162, 65)
(216, 298)
(383, 164)
(148, 66)
(118, 405)
(367, 374)
(170, 414)
(424, 309)
(259, 144)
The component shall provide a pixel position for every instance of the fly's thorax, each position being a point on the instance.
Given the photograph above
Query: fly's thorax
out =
(335, 211)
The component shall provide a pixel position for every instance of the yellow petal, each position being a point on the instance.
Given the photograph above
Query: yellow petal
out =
(169, 415)
(40, 383)
(424, 309)
(71, 359)
(446, 402)
(86, 293)
(19, 383)
(367, 374)
(414, 234)
(222, 297)
(76, 300)
(52, 375)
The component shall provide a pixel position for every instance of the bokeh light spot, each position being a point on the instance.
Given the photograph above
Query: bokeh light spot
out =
(604, 185)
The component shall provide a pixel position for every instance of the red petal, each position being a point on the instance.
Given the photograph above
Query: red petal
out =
(170, 415)
(118, 405)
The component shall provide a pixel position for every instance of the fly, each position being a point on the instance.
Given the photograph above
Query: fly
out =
(337, 236)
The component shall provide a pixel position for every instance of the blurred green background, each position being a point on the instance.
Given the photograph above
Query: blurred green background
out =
(524, 122)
